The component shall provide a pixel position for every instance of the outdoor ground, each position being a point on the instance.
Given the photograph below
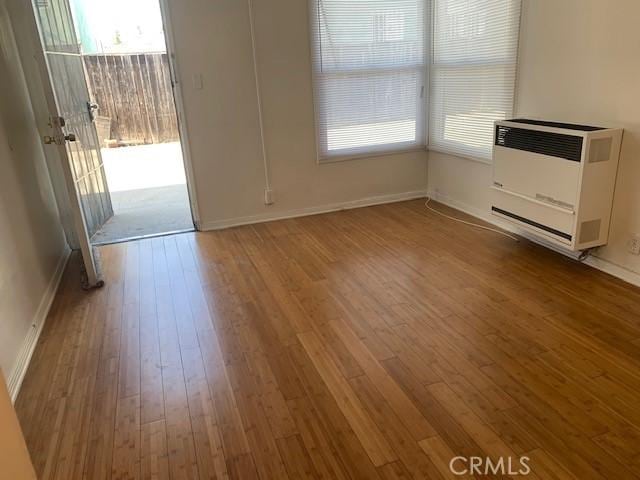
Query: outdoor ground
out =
(148, 191)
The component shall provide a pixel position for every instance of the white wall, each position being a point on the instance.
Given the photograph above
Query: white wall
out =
(578, 62)
(32, 241)
(213, 39)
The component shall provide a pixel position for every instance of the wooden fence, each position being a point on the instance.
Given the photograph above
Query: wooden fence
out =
(134, 92)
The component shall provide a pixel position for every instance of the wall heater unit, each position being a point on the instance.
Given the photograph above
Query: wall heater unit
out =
(556, 180)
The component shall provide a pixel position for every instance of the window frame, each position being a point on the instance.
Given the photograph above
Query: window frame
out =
(433, 68)
(422, 110)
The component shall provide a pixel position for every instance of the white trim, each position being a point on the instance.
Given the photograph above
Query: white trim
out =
(360, 156)
(303, 212)
(592, 261)
(16, 377)
(178, 100)
(613, 269)
(444, 151)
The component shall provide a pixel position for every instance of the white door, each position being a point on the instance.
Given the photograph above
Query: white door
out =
(72, 129)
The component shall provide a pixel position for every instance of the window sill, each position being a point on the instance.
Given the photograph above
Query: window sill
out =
(360, 156)
(486, 161)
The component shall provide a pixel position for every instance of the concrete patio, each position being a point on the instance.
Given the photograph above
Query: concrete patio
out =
(148, 191)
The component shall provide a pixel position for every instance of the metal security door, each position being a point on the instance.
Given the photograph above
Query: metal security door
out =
(73, 130)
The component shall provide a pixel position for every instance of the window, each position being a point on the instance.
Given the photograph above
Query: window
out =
(369, 75)
(473, 73)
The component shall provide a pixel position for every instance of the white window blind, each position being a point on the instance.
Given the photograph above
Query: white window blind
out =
(474, 53)
(369, 75)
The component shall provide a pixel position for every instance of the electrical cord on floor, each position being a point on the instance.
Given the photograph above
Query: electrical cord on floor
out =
(512, 237)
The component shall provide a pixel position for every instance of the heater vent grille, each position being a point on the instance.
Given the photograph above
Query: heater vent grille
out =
(559, 145)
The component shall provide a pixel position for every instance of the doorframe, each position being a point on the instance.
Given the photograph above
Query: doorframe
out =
(178, 100)
(185, 144)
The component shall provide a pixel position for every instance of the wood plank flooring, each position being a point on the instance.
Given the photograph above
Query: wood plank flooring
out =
(375, 343)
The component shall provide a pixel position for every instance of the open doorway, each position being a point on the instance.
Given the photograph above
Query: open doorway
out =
(129, 79)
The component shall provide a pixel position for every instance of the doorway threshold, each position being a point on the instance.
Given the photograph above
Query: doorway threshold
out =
(142, 237)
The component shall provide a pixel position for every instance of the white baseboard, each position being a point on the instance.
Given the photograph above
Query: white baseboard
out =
(593, 261)
(303, 212)
(614, 270)
(29, 344)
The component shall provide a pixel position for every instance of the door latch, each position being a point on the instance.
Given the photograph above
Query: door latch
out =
(59, 140)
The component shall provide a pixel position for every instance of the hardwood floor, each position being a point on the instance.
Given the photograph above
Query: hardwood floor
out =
(375, 343)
